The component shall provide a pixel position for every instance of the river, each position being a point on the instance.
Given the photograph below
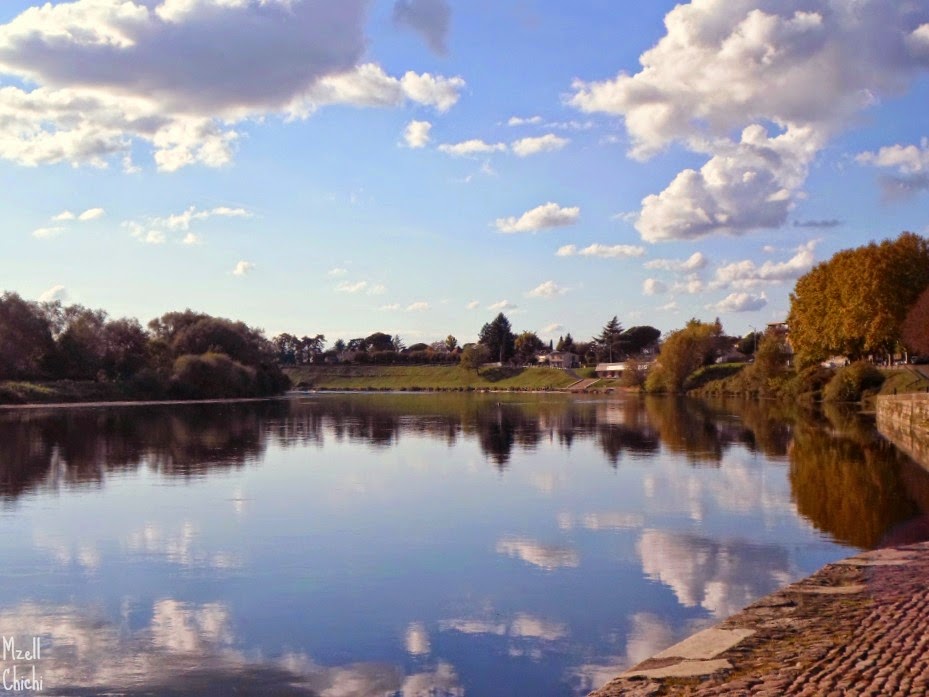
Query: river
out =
(361, 545)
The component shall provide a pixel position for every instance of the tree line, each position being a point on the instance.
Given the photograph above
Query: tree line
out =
(180, 354)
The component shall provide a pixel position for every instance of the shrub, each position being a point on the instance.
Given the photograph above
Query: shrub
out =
(211, 376)
(850, 382)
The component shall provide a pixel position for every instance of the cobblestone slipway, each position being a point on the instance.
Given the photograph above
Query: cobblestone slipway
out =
(856, 627)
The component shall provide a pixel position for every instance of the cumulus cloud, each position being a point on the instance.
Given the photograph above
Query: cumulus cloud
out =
(416, 134)
(549, 289)
(473, 305)
(911, 163)
(805, 69)
(694, 262)
(552, 328)
(531, 146)
(63, 216)
(604, 251)
(91, 214)
(740, 302)
(155, 230)
(502, 305)
(56, 293)
(102, 74)
(548, 215)
(377, 289)
(44, 233)
(468, 148)
(747, 274)
(652, 286)
(243, 268)
(419, 306)
(524, 121)
(346, 287)
(429, 18)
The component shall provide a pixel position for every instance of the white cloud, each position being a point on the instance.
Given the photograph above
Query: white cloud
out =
(669, 306)
(56, 293)
(653, 286)
(548, 289)
(429, 18)
(692, 285)
(502, 305)
(604, 251)
(346, 287)
(337, 271)
(524, 121)
(44, 233)
(694, 262)
(548, 215)
(419, 306)
(243, 268)
(103, 74)
(473, 305)
(740, 302)
(64, 215)
(91, 214)
(471, 147)
(416, 134)
(191, 239)
(531, 146)
(552, 328)
(747, 274)
(911, 163)
(377, 289)
(393, 307)
(155, 230)
(805, 68)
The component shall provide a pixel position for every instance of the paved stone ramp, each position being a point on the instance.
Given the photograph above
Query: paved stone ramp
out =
(856, 627)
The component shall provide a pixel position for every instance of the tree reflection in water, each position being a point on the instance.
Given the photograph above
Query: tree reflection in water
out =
(846, 479)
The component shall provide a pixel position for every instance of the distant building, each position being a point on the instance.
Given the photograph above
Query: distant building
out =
(609, 370)
(563, 359)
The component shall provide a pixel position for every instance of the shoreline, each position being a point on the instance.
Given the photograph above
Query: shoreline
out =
(855, 625)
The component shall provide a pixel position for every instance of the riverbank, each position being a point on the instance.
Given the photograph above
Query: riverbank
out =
(427, 377)
(855, 627)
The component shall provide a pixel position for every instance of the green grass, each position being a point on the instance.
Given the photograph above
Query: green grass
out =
(426, 377)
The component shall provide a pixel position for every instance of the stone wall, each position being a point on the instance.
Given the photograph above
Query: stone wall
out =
(904, 420)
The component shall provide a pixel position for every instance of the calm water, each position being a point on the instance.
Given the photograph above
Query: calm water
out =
(371, 545)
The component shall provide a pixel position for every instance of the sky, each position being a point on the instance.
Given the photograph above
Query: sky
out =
(417, 166)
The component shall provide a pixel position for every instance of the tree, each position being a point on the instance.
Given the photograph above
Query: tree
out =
(608, 339)
(527, 345)
(379, 341)
(565, 343)
(682, 352)
(26, 343)
(339, 345)
(451, 343)
(474, 356)
(636, 339)
(498, 338)
(82, 346)
(916, 325)
(125, 348)
(397, 344)
(855, 303)
(749, 343)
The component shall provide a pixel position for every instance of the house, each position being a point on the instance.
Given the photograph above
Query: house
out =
(563, 359)
(609, 370)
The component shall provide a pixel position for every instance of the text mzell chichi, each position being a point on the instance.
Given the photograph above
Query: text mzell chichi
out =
(22, 676)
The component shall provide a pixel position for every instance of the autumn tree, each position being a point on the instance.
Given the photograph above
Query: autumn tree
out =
(855, 303)
(474, 356)
(916, 325)
(682, 352)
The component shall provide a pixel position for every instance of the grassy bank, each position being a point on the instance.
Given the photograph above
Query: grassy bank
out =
(426, 377)
(66, 391)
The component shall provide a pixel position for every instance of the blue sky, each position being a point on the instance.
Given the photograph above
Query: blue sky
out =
(415, 166)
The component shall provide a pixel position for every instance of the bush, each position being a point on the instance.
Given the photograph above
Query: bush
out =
(851, 382)
(212, 376)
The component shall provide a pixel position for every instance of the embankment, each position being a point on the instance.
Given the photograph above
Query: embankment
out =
(904, 420)
(426, 377)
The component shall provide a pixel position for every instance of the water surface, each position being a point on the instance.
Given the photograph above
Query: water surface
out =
(423, 544)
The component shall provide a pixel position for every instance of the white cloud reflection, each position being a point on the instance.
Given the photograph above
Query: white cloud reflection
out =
(546, 557)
